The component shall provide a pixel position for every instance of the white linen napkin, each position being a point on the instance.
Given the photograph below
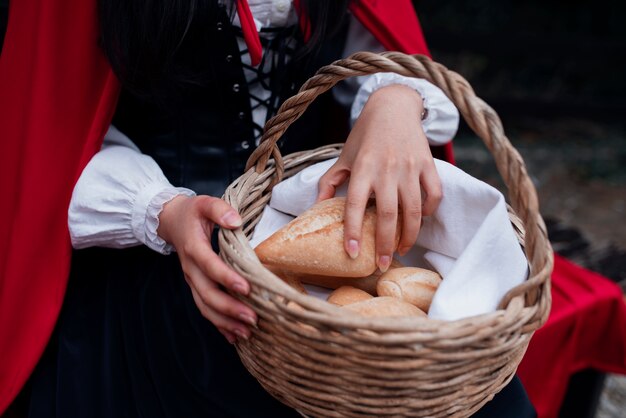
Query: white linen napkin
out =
(469, 240)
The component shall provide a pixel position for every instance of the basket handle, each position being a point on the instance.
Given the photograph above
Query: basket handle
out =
(481, 118)
(358, 64)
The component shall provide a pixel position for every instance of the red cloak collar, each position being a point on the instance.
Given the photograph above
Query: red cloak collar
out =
(58, 98)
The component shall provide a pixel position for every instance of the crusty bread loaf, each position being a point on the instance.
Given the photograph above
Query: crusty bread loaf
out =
(385, 306)
(411, 284)
(313, 243)
(346, 295)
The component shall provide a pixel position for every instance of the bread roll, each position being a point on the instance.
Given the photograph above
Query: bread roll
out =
(411, 284)
(313, 243)
(385, 306)
(346, 295)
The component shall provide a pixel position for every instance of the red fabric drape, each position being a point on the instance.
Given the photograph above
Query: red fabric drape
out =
(586, 329)
(57, 97)
(393, 23)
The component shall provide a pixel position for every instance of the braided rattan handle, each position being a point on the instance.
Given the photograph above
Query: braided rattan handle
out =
(358, 64)
(479, 116)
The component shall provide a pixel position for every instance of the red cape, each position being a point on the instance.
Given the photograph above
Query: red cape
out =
(586, 330)
(58, 98)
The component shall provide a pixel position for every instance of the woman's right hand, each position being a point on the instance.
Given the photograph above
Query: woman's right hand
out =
(187, 224)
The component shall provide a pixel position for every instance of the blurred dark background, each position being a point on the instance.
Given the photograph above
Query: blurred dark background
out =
(538, 57)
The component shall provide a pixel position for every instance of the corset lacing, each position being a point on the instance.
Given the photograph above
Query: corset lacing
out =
(279, 46)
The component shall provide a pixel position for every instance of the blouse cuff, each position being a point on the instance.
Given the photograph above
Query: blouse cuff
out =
(145, 214)
(441, 116)
(117, 201)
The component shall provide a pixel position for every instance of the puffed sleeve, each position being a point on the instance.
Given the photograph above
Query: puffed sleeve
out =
(118, 198)
(441, 119)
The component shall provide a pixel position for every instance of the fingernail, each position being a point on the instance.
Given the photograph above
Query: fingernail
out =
(240, 288)
(232, 218)
(403, 250)
(231, 340)
(353, 248)
(247, 319)
(240, 333)
(383, 262)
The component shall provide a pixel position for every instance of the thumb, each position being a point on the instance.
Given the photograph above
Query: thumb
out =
(220, 212)
(329, 182)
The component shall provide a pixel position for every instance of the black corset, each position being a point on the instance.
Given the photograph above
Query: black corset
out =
(203, 134)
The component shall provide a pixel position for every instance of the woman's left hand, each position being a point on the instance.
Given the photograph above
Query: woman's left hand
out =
(386, 154)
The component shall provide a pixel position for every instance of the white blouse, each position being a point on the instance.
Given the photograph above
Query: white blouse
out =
(118, 198)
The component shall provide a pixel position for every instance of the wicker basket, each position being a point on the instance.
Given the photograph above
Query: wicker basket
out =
(327, 362)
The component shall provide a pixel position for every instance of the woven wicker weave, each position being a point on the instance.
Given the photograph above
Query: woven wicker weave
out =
(327, 362)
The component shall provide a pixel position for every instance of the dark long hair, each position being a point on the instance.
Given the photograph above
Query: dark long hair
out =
(142, 37)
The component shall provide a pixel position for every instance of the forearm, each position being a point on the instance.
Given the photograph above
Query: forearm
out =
(441, 117)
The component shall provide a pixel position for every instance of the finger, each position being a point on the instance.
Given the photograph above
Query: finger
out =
(431, 186)
(220, 321)
(330, 181)
(213, 267)
(218, 300)
(411, 204)
(356, 201)
(219, 212)
(386, 223)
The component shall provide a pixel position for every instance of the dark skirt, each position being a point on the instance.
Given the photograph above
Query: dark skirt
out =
(130, 342)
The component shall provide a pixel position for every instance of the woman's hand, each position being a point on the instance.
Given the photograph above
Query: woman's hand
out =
(187, 224)
(386, 154)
